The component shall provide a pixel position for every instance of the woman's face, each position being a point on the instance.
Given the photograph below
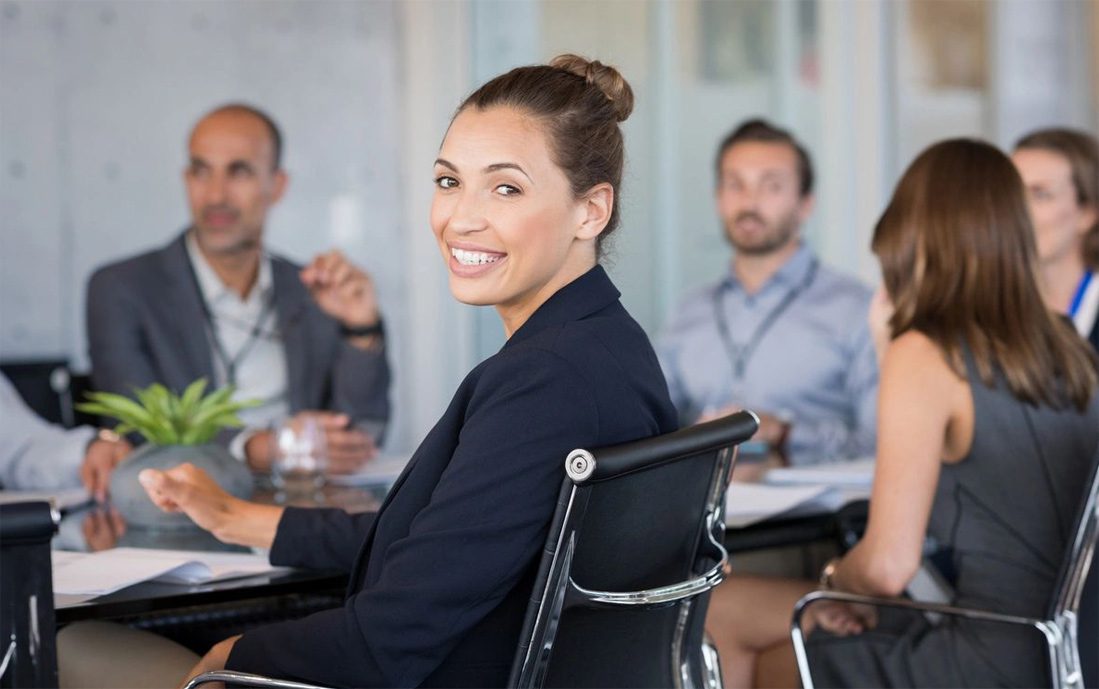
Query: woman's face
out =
(1059, 221)
(507, 223)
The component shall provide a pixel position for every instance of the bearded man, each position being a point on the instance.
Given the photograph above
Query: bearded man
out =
(780, 334)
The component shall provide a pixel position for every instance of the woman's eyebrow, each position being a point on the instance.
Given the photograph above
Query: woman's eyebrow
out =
(508, 166)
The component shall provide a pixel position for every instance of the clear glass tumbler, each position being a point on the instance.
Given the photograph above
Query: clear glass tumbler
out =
(300, 458)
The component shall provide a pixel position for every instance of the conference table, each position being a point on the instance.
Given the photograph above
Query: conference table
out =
(295, 592)
(96, 528)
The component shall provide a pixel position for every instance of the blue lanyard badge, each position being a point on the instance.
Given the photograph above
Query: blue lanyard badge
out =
(1079, 296)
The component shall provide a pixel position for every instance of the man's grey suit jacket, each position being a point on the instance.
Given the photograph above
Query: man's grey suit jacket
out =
(146, 324)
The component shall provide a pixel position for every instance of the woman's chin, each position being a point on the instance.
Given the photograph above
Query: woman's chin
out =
(473, 295)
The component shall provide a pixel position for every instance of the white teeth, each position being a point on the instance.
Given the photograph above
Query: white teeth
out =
(473, 258)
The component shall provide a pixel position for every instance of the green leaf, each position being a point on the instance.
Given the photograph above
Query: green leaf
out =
(191, 397)
(165, 418)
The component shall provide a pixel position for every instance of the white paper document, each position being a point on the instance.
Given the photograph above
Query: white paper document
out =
(110, 570)
(748, 503)
(859, 473)
(380, 471)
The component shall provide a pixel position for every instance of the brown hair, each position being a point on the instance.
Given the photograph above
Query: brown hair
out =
(1082, 152)
(959, 261)
(579, 103)
(764, 131)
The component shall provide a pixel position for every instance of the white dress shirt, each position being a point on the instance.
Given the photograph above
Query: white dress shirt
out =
(247, 333)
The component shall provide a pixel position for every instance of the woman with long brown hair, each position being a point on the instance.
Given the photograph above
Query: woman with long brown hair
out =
(987, 423)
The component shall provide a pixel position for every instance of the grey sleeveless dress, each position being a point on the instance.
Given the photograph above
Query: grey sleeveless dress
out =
(1005, 513)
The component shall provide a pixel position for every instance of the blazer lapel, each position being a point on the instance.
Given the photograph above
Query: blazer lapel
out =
(182, 301)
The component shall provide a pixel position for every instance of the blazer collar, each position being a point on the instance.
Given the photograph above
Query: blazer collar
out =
(591, 292)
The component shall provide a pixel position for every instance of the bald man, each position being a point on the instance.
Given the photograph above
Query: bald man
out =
(215, 304)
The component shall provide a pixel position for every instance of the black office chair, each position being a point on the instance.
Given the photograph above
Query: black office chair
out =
(1059, 628)
(28, 648)
(633, 550)
(45, 386)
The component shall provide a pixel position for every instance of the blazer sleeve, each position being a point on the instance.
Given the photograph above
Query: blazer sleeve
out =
(120, 362)
(483, 528)
(319, 538)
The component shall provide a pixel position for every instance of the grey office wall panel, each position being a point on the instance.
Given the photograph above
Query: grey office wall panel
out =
(96, 104)
(33, 273)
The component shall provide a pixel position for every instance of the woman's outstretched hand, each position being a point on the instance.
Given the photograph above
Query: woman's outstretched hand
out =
(188, 489)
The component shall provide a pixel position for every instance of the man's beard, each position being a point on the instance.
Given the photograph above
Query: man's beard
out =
(773, 237)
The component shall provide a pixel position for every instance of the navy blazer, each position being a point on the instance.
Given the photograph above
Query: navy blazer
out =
(444, 570)
(146, 325)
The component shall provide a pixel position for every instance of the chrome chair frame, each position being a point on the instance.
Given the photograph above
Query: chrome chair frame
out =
(580, 467)
(1059, 628)
(532, 662)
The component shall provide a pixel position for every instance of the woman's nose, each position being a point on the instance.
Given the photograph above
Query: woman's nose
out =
(468, 214)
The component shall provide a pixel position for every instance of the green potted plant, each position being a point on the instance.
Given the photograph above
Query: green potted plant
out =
(177, 429)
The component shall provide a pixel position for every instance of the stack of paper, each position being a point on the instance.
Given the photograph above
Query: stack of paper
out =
(110, 570)
(748, 503)
(858, 473)
(798, 491)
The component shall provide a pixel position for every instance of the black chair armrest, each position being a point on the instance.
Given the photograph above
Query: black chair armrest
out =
(640, 455)
(28, 522)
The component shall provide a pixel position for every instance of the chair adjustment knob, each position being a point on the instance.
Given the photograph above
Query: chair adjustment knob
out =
(580, 465)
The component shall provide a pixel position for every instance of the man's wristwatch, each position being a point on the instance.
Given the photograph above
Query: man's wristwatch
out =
(104, 434)
(376, 329)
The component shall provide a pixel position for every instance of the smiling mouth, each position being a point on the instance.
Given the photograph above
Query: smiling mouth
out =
(474, 258)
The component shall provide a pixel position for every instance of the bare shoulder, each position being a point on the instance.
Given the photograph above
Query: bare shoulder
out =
(914, 349)
(914, 358)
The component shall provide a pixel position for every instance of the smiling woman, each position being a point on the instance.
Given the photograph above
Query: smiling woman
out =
(526, 186)
(526, 183)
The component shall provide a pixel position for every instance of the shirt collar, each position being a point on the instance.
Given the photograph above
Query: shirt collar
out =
(591, 292)
(793, 272)
(211, 286)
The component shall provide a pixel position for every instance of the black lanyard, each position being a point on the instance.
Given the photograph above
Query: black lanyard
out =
(230, 363)
(739, 355)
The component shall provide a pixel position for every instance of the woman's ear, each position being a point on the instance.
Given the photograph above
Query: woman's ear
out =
(596, 207)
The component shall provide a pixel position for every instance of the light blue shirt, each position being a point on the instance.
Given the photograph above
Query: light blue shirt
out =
(34, 454)
(804, 353)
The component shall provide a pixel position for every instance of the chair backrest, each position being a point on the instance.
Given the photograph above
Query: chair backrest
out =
(633, 550)
(1081, 548)
(45, 387)
(28, 653)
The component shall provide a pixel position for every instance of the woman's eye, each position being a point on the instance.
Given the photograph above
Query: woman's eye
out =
(508, 190)
(444, 182)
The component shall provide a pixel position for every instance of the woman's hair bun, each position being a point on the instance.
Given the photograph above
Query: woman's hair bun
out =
(604, 77)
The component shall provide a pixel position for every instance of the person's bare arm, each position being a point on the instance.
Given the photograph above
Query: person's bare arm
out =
(920, 397)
